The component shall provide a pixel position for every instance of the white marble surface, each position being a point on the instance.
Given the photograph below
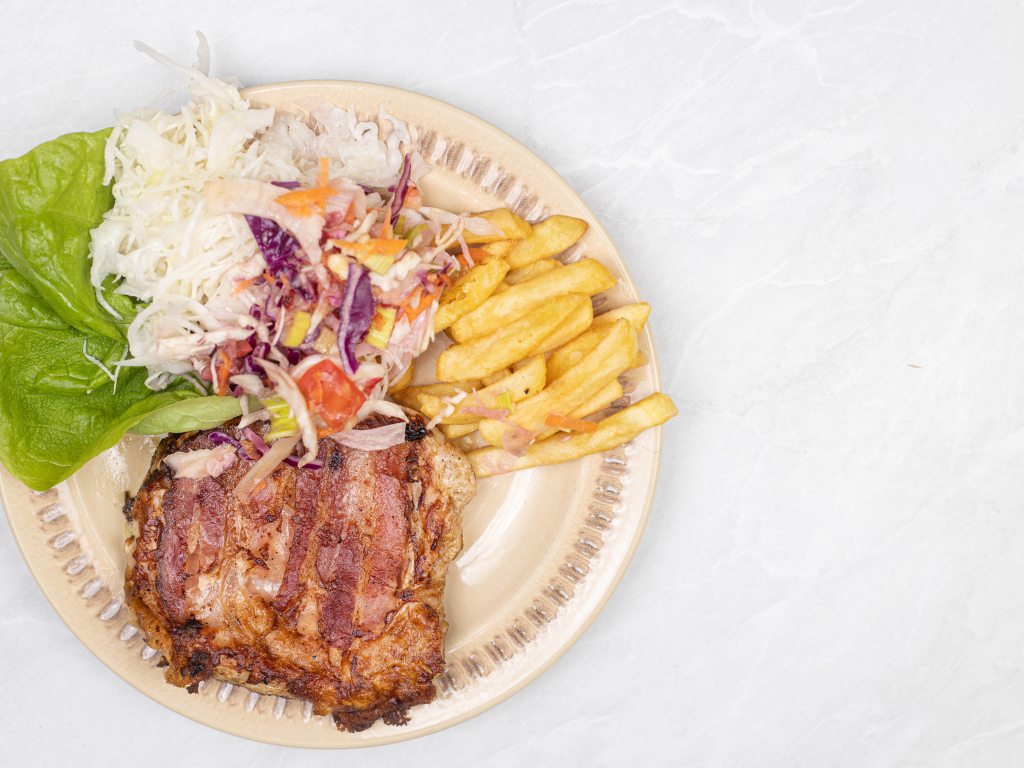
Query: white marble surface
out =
(824, 202)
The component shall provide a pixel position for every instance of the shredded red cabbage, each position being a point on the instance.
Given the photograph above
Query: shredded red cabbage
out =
(357, 311)
(286, 184)
(261, 350)
(217, 437)
(294, 460)
(277, 245)
(294, 355)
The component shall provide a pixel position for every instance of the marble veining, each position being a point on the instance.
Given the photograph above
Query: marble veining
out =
(824, 202)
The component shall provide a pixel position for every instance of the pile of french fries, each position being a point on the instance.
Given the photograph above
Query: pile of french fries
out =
(527, 345)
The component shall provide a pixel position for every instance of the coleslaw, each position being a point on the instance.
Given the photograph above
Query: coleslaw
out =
(286, 257)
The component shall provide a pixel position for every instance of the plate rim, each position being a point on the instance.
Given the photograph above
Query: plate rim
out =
(99, 648)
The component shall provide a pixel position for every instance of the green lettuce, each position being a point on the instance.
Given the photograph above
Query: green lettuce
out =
(197, 413)
(50, 200)
(58, 406)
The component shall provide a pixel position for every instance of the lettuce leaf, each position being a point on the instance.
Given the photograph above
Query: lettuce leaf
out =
(197, 413)
(50, 200)
(57, 409)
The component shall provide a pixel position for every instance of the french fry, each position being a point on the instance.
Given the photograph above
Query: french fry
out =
(497, 376)
(611, 432)
(511, 225)
(530, 271)
(527, 381)
(453, 431)
(569, 329)
(409, 397)
(587, 277)
(498, 248)
(639, 361)
(502, 287)
(575, 350)
(551, 236)
(508, 344)
(607, 360)
(468, 292)
(403, 381)
(601, 399)
(637, 315)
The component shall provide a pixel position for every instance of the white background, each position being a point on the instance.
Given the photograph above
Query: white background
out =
(823, 201)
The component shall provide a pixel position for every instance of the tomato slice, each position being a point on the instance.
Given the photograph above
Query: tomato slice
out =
(331, 393)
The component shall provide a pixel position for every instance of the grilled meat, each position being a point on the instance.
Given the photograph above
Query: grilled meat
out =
(324, 585)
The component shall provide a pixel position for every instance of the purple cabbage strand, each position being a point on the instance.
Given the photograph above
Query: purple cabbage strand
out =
(357, 312)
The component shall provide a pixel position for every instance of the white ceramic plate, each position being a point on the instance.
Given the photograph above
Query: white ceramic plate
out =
(544, 548)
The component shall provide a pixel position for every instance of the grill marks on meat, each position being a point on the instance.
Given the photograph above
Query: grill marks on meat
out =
(325, 584)
(307, 494)
(180, 510)
(341, 583)
(390, 534)
(212, 514)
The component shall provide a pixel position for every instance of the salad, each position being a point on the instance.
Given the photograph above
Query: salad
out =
(228, 261)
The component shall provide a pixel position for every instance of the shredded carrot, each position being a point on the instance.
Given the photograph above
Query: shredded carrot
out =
(270, 277)
(222, 376)
(299, 201)
(476, 256)
(558, 421)
(407, 302)
(286, 281)
(322, 432)
(350, 216)
(243, 285)
(373, 247)
(305, 196)
(424, 300)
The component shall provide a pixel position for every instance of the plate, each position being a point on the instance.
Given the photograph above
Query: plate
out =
(544, 548)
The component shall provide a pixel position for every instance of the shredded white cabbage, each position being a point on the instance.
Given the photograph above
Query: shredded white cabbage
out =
(96, 361)
(160, 241)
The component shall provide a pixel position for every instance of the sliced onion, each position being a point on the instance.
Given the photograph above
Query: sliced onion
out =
(294, 461)
(481, 226)
(308, 362)
(376, 439)
(383, 407)
(400, 190)
(517, 439)
(217, 437)
(289, 390)
(262, 468)
(256, 440)
(262, 414)
(498, 414)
